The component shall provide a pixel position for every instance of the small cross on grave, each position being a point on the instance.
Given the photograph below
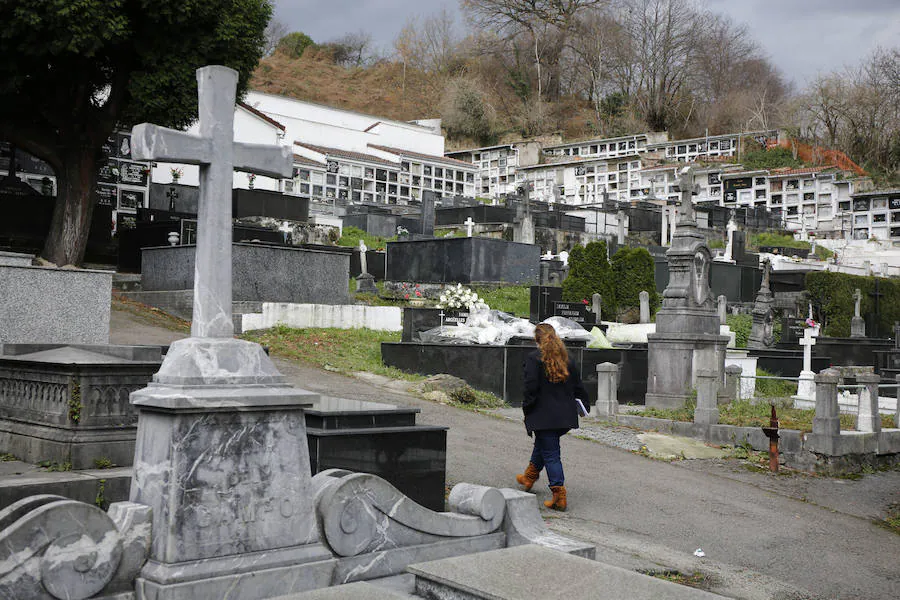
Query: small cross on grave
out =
(545, 303)
(442, 315)
(469, 223)
(876, 294)
(172, 195)
(218, 156)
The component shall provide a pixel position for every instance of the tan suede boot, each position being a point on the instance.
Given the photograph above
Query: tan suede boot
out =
(558, 502)
(528, 478)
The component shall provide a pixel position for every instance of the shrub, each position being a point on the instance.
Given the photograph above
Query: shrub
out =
(741, 325)
(832, 294)
(590, 273)
(633, 272)
(770, 159)
(351, 236)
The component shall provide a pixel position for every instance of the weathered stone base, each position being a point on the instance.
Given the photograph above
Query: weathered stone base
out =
(673, 361)
(247, 576)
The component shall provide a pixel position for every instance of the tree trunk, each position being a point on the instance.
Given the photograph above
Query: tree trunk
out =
(67, 239)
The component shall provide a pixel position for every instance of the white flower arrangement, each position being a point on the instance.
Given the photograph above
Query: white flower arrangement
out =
(461, 297)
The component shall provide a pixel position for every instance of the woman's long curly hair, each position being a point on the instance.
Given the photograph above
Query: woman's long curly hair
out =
(553, 353)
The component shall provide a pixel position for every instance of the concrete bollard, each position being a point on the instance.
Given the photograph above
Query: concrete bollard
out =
(868, 419)
(707, 410)
(827, 421)
(607, 406)
(733, 383)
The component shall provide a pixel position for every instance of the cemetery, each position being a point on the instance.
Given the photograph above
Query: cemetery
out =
(245, 486)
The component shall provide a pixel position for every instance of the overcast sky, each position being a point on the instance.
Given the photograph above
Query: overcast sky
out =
(802, 37)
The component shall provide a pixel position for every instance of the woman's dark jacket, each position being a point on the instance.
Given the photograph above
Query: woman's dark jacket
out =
(549, 405)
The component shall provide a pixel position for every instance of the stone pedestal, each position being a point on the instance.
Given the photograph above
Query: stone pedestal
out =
(857, 327)
(607, 406)
(806, 390)
(673, 361)
(222, 459)
(707, 410)
(365, 284)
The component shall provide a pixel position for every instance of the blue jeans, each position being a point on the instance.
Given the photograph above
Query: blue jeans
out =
(546, 454)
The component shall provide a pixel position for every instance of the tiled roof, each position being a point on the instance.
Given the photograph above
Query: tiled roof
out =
(302, 160)
(336, 153)
(429, 157)
(261, 115)
(803, 171)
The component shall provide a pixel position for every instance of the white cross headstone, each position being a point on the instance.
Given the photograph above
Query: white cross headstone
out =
(469, 223)
(808, 341)
(218, 156)
(806, 386)
(564, 257)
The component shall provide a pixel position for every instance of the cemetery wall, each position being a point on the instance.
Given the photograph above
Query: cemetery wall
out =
(259, 273)
(346, 316)
(61, 306)
(463, 260)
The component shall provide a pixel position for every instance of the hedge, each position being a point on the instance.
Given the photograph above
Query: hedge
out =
(619, 282)
(832, 296)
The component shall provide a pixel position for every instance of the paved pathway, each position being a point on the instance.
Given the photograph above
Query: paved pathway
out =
(764, 536)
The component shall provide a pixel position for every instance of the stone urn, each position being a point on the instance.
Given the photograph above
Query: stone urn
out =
(173, 238)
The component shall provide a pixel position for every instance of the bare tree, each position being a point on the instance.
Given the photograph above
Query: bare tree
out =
(275, 30)
(664, 35)
(353, 49)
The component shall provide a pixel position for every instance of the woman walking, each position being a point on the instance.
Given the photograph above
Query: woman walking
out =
(552, 384)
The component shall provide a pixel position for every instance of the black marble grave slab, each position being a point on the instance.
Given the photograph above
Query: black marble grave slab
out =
(417, 320)
(787, 363)
(851, 352)
(463, 260)
(541, 301)
(382, 439)
(499, 369)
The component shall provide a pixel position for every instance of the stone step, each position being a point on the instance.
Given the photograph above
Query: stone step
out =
(19, 480)
(350, 591)
(535, 572)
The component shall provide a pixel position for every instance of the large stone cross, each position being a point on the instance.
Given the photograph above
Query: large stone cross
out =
(218, 155)
(685, 186)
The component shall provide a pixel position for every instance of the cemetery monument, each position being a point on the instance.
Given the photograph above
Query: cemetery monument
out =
(687, 338)
(222, 502)
(762, 332)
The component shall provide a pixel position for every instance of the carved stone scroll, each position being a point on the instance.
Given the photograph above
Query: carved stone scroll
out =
(361, 513)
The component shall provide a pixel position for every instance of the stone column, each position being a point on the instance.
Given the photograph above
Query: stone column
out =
(827, 421)
(607, 406)
(707, 410)
(664, 230)
(596, 304)
(868, 419)
(897, 416)
(620, 217)
(733, 382)
(645, 306)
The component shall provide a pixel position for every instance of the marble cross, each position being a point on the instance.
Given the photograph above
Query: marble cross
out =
(469, 223)
(687, 189)
(807, 342)
(857, 296)
(218, 156)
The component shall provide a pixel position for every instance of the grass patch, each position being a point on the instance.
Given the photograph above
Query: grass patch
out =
(694, 580)
(350, 237)
(53, 467)
(513, 299)
(773, 388)
(685, 413)
(7, 457)
(150, 314)
(340, 350)
(780, 240)
(892, 521)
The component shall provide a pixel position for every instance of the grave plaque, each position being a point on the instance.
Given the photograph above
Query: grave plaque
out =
(576, 311)
(133, 173)
(105, 194)
(541, 301)
(455, 317)
(131, 199)
(107, 172)
(123, 145)
(792, 331)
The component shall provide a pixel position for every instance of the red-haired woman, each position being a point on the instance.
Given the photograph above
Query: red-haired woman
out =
(552, 382)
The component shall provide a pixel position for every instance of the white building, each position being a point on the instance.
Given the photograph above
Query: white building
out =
(576, 182)
(497, 165)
